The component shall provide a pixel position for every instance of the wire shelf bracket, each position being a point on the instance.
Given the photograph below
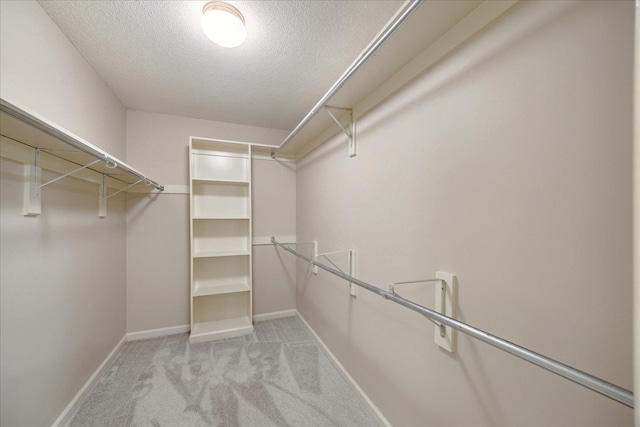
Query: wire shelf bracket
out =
(445, 303)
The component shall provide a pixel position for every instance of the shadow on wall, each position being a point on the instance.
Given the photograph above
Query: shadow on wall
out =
(141, 202)
(291, 280)
(482, 390)
(440, 77)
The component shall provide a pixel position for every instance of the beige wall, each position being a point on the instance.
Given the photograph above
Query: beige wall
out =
(158, 226)
(63, 294)
(62, 297)
(42, 71)
(508, 164)
(274, 214)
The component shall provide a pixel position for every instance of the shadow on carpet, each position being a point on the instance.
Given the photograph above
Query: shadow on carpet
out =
(276, 376)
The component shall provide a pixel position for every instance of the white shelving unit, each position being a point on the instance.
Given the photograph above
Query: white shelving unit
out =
(221, 276)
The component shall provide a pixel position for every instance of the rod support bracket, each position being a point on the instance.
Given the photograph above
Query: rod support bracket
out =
(32, 204)
(444, 304)
(351, 266)
(349, 130)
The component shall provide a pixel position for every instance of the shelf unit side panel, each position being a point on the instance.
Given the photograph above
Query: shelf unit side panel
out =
(250, 198)
(191, 214)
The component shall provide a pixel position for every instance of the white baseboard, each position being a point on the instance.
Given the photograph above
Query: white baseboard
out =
(154, 333)
(75, 403)
(348, 378)
(274, 315)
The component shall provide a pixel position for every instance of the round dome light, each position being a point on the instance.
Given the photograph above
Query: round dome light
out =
(223, 24)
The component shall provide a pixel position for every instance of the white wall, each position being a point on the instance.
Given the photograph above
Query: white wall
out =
(62, 296)
(158, 226)
(63, 292)
(508, 164)
(42, 71)
(274, 214)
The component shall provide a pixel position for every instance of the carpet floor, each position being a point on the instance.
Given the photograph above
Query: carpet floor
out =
(276, 376)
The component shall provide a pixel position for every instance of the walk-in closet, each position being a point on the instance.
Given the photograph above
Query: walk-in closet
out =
(319, 213)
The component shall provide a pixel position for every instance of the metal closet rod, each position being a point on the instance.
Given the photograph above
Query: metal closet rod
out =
(111, 162)
(598, 385)
(359, 62)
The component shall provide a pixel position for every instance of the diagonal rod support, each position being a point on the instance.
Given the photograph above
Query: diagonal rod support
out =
(125, 188)
(335, 119)
(70, 173)
(392, 289)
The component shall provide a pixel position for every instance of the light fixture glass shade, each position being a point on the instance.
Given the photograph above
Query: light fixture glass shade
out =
(223, 24)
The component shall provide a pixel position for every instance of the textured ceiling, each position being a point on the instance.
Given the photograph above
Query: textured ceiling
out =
(155, 57)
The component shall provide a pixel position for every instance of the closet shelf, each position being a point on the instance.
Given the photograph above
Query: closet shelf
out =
(411, 42)
(218, 181)
(25, 133)
(208, 218)
(218, 254)
(216, 289)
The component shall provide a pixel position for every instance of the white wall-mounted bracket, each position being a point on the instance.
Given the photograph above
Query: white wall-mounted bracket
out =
(349, 130)
(351, 266)
(102, 198)
(32, 205)
(445, 302)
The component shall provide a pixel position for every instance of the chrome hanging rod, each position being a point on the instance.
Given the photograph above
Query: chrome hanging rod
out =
(47, 128)
(359, 62)
(598, 385)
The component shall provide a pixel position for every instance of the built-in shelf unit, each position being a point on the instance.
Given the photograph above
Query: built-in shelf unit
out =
(221, 276)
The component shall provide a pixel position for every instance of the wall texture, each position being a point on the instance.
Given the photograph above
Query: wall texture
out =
(41, 70)
(509, 164)
(63, 294)
(62, 297)
(158, 226)
(274, 214)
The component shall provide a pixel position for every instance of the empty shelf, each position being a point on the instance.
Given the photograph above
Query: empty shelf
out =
(216, 289)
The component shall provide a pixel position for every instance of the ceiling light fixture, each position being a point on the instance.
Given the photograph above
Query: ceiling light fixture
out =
(223, 24)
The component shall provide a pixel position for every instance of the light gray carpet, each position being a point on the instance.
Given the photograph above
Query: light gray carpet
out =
(276, 376)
